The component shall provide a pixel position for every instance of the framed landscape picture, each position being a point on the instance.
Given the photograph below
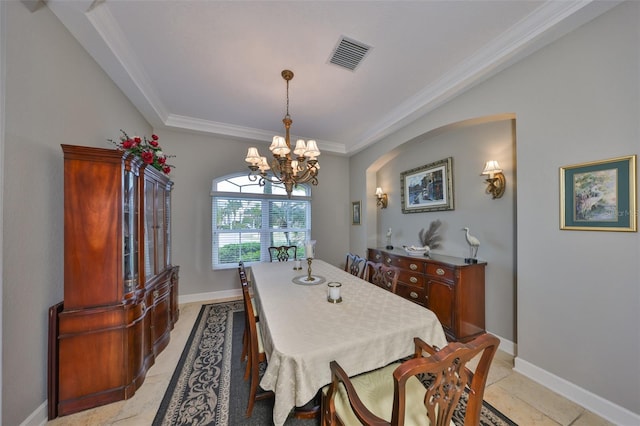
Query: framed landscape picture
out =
(428, 188)
(355, 212)
(599, 195)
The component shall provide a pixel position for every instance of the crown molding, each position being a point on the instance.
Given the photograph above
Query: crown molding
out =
(92, 24)
(532, 33)
(181, 122)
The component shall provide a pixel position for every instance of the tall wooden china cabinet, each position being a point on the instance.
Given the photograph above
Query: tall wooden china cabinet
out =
(120, 288)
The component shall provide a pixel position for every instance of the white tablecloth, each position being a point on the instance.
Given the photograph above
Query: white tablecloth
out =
(303, 332)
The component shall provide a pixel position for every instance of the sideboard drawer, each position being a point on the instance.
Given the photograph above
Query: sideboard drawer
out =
(410, 264)
(411, 278)
(412, 293)
(440, 271)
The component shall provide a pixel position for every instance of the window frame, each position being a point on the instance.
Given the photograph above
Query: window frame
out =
(265, 231)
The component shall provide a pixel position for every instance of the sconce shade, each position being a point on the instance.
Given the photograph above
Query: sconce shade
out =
(382, 198)
(491, 167)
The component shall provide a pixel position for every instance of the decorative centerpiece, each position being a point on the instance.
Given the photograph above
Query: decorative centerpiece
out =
(149, 151)
(389, 246)
(430, 239)
(333, 292)
(474, 244)
(308, 251)
(309, 279)
(416, 251)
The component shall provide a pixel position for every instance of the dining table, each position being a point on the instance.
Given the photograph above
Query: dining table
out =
(303, 330)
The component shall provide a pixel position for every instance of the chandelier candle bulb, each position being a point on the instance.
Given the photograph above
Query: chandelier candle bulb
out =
(301, 148)
(312, 150)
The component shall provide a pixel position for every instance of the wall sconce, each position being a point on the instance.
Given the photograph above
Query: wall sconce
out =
(382, 198)
(496, 180)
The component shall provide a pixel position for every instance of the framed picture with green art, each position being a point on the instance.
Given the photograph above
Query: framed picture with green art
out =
(599, 195)
(355, 212)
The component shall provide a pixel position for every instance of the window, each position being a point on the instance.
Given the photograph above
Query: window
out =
(248, 218)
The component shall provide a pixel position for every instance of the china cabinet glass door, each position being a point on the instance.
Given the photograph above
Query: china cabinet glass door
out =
(149, 229)
(130, 231)
(160, 218)
(167, 201)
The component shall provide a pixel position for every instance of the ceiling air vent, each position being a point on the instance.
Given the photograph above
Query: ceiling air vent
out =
(349, 53)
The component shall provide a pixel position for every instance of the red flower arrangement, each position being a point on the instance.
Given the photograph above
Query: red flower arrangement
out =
(148, 151)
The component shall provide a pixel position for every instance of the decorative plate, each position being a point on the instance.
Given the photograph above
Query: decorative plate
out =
(302, 280)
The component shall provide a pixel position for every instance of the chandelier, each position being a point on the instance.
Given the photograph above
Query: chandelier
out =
(290, 168)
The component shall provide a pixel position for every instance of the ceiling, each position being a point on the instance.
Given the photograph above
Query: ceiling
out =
(214, 66)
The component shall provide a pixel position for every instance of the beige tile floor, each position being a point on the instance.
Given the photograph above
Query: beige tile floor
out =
(524, 401)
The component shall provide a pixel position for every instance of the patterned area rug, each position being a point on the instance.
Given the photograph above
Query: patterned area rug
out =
(208, 388)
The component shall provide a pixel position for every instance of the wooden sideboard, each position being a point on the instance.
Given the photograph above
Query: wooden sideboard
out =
(120, 288)
(451, 288)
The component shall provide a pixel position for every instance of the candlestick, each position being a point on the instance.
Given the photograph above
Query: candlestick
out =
(309, 277)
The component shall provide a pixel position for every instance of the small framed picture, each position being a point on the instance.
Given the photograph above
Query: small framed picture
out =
(599, 195)
(428, 188)
(355, 212)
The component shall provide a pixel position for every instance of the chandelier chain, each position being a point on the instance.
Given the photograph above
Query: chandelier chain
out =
(287, 98)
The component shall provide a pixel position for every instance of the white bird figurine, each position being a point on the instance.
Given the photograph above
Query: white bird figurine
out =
(473, 242)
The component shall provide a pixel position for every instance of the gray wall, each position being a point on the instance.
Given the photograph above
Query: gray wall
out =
(578, 296)
(55, 93)
(578, 292)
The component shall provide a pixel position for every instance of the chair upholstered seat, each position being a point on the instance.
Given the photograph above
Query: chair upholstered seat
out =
(375, 390)
(395, 395)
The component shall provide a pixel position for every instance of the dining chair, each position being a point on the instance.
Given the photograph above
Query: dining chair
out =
(244, 281)
(420, 391)
(354, 265)
(283, 253)
(382, 275)
(256, 354)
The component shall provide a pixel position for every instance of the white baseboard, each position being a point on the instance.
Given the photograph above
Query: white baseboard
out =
(211, 296)
(38, 417)
(592, 402)
(505, 345)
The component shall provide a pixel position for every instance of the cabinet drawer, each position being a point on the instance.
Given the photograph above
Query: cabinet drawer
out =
(411, 278)
(410, 264)
(414, 294)
(440, 271)
(375, 255)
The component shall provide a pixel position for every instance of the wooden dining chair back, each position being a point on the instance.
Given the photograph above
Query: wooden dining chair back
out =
(283, 253)
(256, 354)
(244, 281)
(354, 265)
(425, 390)
(382, 275)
